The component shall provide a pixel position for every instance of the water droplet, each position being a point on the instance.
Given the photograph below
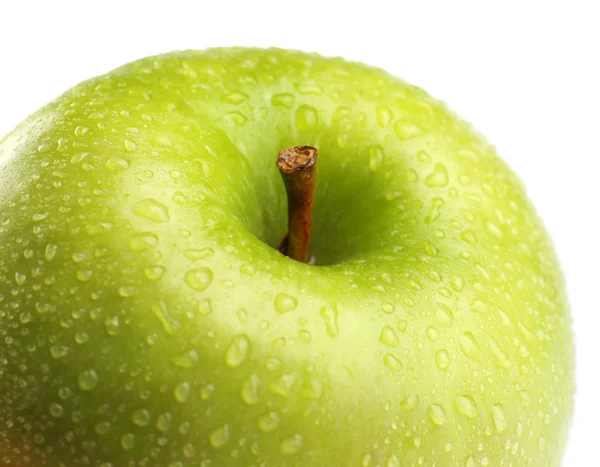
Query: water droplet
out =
(388, 336)
(96, 116)
(291, 445)
(50, 251)
(305, 336)
(285, 303)
(234, 98)
(206, 391)
(444, 314)
(470, 462)
(181, 393)
(87, 380)
(409, 403)
(330, 315)
(499, 418)
(186, 359)
(56, 410)
(465, 405)
(268, 422)
(285, 100)
(58, 351)
(163, 422)
(393, 461)
(402, 325)
(151, 209)
(392, 362)
(309, 89)
(170, 324)
(384, 116)
(406, 130)
(155, 272)
(102, 428)
(442, 359)
(457, 283)
(282, 386)
(273, 363)
(205, 307)
(81, 130)
(20, 278)
(435, 211)
(219, 437)
(116, 164)
(81, 337)
(126, 291)
(437, 414)
(376, 157)
(432, 333)
(312, 388)
(189, 451)
(238, 351)
(306, 118)
(112, 325)
(179, 198)
(249, 391)
(129, 145)
(128, 441)
(439, 176)
(141, 417)
(196, 255)
(388, 308)
(470, 346)
(25, 317)
(199, 278)
(142, 241)
(469, 237)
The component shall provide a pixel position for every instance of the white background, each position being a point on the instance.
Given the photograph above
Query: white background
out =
(525, 73)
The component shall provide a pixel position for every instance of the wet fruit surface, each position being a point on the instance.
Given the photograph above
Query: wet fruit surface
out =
(146, 318)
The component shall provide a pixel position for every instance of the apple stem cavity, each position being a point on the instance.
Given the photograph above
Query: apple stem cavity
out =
(298, 168)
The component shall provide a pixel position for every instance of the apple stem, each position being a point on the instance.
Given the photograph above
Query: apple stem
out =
(298, 168)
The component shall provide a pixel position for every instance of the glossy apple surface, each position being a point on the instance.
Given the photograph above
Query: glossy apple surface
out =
(146, 318)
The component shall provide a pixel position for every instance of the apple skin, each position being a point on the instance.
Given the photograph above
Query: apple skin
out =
(146, 318)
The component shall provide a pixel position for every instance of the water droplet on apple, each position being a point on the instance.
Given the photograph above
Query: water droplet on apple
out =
(393, 461)
(151, 209)
(161, 311)
(470, 462)
(469, 345)
(186, 359)
(435, 211)
(181, 393)
(142, 241)
(388, 336)
(469, 237)
(392, 362)
(444, 314)
(249, 391)
(26, 317)
(129, 145)
(141, 417)
(406, 130)
(126, 291)
(219, 437)
(437, 414)
(409, 403)
(306, 118)
(499, 418)
(268, 422)
(439, 176)
(234, 98)
(291, 445)
(238, 351)
(56, 410)
(285, 100)
(442, 359)
(112, 325)
(128, 441)
(376, 157)
(81, 130)
(189, 451)
(282, 386)
(285, 303)
(155, 272)
(312, 388)
(50, 251)
(309, 89)
(81, 337)
(20, 278)
(465, 405)
(388, 308)
(163, 422)
(199, 278)
(116, 164)
(102, 428)
(384, 116)
(194, 254)
(330, 315)
(205, 307)
(432, 333)
(273, 363)
(58, 351)
(87, 380)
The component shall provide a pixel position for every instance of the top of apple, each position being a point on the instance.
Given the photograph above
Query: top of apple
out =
(147, 318)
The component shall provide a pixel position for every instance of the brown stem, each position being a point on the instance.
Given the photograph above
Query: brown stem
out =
(298, 167)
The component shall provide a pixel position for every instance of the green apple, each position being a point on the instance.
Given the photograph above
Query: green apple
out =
(146, 317)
